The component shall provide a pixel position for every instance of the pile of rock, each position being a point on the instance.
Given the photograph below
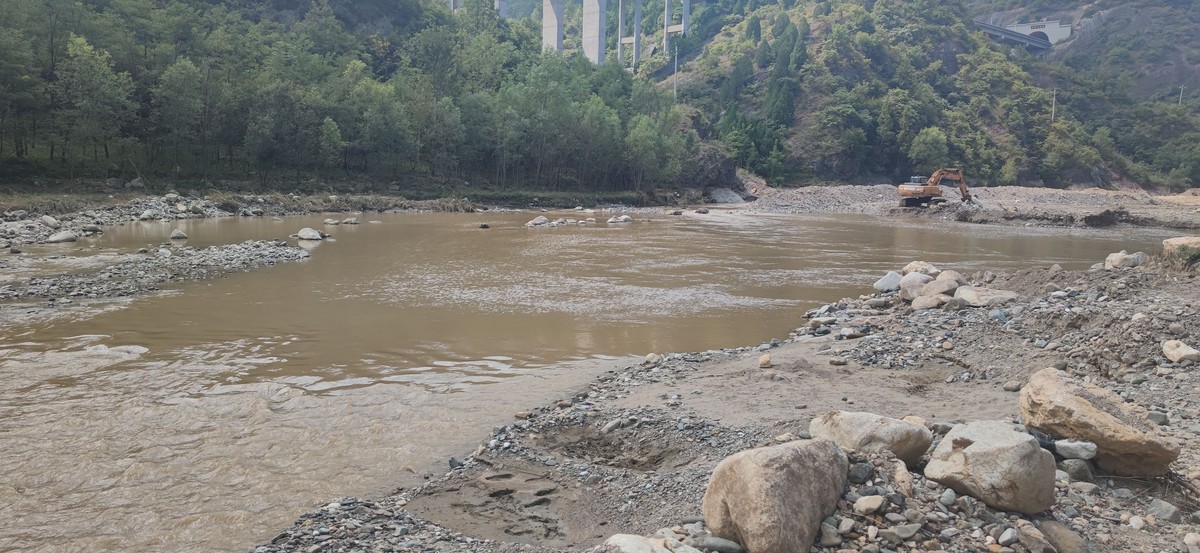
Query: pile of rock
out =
(927, 287)
(541, 221)
(986, 485)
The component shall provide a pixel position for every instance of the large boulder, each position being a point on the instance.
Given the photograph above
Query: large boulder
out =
(953, 275)
(994, 463)
(1127, 442)
(308, 233)
(871, 433)
(50, 222)
(984, 297)
(1123, 259)
(890, 282)
(939, 287)
(915, 280)
(920, 267)
(1179, 352)
(63, 236)
(773, 499)
(921, 303)
(538, 221)
(178, 234)
(1175, 246)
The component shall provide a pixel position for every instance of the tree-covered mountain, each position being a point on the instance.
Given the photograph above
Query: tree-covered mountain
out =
(887, 88)
(280, 91)
(286, 89)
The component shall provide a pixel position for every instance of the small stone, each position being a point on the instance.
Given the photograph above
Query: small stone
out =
(1137, 523)
(907, 531)
(947, 497)
(1159, 418)
(178, 234)
(1179, 352)
(719, 545)
(1078, 469)
(830, 536)
(1008, 537)
(1013, 386)
(869, 504)
(64, 236)
(1075, 449)
(1162, 510)
(764, 361)
(860, 473)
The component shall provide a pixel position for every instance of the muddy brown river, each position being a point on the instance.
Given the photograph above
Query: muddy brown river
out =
(208, 417)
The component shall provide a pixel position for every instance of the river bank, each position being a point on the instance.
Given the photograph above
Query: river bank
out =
(1011, 205)
(714, 438)
(632, 452)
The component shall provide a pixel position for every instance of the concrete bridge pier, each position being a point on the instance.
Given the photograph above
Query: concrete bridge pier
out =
(594, 12)
(685, 13)
(634, 41)
(552, 25)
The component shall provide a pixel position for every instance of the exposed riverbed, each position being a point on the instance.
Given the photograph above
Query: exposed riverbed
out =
(208, 417)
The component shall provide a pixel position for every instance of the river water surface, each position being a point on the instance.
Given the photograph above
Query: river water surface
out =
(209, 417)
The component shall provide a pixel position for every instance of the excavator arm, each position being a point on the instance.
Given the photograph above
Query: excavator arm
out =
(954, 175)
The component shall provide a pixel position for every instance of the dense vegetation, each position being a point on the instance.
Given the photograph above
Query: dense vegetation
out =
(280, 91)
(284, 90)
(882, 89)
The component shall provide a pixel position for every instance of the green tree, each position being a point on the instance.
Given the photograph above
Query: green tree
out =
(179, 104)
(753, 29)
(929, 149)
(19, 84)
(95, 99)
(331, 144)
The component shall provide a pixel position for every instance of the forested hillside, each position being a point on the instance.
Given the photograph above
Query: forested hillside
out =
(282, 92)
(878, 90)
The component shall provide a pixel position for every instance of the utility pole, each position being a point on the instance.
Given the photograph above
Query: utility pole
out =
(1053, 105)
(675, 77)
(1181, 87)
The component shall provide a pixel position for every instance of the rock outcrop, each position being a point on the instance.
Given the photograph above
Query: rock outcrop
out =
(773, 499)
(1127, 443)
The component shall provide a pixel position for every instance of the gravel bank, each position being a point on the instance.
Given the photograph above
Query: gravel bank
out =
(1013, 205)
(146, 271)
(632, 452)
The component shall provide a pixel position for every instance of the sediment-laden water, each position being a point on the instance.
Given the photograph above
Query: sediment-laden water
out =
(207, 417)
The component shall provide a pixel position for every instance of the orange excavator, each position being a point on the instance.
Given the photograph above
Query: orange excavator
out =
(923, 192)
